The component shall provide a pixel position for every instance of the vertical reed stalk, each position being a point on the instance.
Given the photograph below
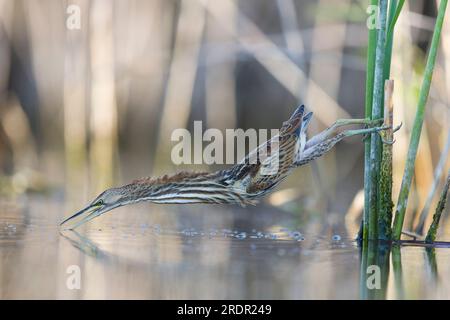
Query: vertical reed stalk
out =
(377, 112)
(104, 113)
(182, 75)
(431, 235)
(371, 46)
(386, 204)
(417, 126)
(389, 39)
(393, 18)
(394, 11)
(437, 177)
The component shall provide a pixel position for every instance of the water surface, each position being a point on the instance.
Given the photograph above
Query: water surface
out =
(201, 252)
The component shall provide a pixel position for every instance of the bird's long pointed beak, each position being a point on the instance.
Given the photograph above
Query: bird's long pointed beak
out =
(84, 215)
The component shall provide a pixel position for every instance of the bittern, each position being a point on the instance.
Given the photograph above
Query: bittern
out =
(241, 184)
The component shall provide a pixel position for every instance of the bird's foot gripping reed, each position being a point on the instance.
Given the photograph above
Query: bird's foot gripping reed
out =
(241, 184)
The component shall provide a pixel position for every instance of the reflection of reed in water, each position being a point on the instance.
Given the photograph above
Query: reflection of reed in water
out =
(398, 271)
(377, 256)
(374, 272)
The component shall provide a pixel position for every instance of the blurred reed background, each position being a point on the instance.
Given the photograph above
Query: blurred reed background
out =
(85, 109)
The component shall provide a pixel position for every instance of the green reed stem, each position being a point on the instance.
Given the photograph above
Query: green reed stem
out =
(431, 234)
(371, 52)
(436, 178)
(393, 9)
(385, 185)
(385, 204)
(417, 126)
(377, 112)
(393, 21)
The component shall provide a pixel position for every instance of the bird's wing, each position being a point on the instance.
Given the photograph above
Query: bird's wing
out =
(269, 163)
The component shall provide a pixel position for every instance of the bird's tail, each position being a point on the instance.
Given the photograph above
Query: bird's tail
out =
(294, 130)
(294, 123)
(305, 122)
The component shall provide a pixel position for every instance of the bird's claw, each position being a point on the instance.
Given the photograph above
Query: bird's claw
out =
(387, 142)
(390, 142)
(397, 127)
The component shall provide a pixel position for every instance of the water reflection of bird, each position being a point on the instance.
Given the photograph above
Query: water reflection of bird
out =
(253, 177)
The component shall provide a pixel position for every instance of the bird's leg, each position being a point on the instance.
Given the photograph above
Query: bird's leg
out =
(330, 131)
(355, 132)
(320, 148)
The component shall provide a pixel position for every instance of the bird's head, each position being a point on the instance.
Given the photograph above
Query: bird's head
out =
(106, 201)
(146, 189)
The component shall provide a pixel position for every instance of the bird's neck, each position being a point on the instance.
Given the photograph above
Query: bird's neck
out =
(190, 190)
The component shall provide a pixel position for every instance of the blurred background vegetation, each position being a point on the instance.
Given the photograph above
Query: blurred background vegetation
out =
(85, 109)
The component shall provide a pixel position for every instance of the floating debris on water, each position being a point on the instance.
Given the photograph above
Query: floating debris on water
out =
(144, 226)
(157, 228)
(189, 232)
(273, 236)
(11, 228)
(213, 233)
(241, 235)
(336, 237)
(296, 235)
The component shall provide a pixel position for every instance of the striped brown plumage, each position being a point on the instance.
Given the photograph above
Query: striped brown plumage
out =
(243, 183)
